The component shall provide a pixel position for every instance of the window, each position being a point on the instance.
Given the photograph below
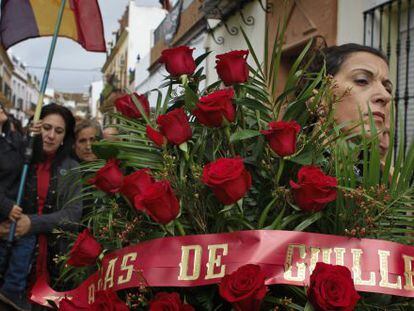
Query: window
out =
(390, 28)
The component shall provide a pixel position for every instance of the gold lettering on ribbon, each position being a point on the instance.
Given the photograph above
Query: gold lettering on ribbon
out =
(326, 257)
(339, 255)
(125, 267)
(300, 266)
(185, 256)
(215, 261)
(314, 258)
(356, 269)
(91, 294)
(408, 272)
(109, 275)
(384, 282)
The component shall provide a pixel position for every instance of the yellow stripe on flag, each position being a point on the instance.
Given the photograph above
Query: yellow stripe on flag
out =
(46, 12)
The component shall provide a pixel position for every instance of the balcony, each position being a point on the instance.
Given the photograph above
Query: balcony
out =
(190, 17)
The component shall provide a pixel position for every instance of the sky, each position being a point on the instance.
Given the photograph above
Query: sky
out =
(70, 55)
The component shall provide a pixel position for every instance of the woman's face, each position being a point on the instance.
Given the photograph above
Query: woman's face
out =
(83, 144)
(3, 116)
(364, 84)
(53, 133)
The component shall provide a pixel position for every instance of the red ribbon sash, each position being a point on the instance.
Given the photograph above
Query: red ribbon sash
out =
(286, 257)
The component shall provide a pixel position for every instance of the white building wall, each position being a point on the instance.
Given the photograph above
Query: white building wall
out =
(350, 19)
(142, 22)
(255, 33)
(96, 90)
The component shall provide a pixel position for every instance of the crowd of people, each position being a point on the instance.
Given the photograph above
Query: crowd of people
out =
(60, 143)
(49, 202)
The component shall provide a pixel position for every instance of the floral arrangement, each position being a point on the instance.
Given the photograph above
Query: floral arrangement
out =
(241, 155)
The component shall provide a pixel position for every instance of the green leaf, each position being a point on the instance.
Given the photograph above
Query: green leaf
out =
(183, 147)
(105, 151)
(252, 52)
(265, 212)
(200, 59)
(243, 134)
(308, 307)
(308, 221)
(190, 98)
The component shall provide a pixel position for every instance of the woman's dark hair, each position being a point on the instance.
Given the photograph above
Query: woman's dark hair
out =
(16, 123)
(65, 149)
(335, 56)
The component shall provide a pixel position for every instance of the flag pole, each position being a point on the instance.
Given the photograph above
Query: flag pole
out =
(29, 148)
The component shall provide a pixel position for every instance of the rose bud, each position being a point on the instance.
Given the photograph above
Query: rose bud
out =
(178, 61)
(109, 178)
(108, 301)
(282, 136)
(159, 202)
(332, 288)
(228, 179)
(155, 136)
(232, 67)
(212, 109)
(313, 190)
(136, 183)
(168, 301)
(127, 107)
(85, 251)
(174, 125)
(244, 288)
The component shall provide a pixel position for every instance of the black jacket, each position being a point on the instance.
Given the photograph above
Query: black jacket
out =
(11, 164)
(62, 210)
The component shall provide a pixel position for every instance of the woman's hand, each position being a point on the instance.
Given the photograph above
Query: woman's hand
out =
(35, 128)
(23, 226)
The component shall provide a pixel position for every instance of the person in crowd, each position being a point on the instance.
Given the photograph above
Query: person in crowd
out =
(110, 132)
(51, 192)
(14, 262)
(86, 133)
(361, 75)
(16, 125)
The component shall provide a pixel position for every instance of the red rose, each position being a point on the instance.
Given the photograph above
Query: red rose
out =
(282, 137)
(228, 178)
(178, 61)
(136, 183)
(159, 202)
(174, 125)
(108, 301)
(70, 305)
(85, 251)
(314, 189)
(155, 136)
(244, 288)
(332, 288)
(232, 67)
(212, 109)
(168, 302)
(127, 107)
(109, 178)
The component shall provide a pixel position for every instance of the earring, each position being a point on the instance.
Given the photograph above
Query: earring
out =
(61, 143)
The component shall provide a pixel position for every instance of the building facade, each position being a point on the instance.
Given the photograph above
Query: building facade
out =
(132, 39)
(6, 71)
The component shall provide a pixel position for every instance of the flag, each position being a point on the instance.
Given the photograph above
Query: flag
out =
(24, 19)
(166, 5)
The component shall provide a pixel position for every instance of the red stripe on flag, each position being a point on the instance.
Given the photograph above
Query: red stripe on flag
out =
(90, 26)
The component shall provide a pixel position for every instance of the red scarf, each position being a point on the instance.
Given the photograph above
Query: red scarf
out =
(43, 172)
